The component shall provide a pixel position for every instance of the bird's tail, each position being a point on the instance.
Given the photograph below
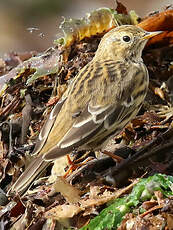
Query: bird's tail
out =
(36, 166)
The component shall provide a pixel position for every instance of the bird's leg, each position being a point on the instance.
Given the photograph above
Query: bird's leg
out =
(69, 160)
(117, 158)
(73, 166)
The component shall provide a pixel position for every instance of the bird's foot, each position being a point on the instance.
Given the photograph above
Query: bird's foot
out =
(73, 166)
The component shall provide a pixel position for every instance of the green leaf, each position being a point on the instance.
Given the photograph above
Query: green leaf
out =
(111, 217)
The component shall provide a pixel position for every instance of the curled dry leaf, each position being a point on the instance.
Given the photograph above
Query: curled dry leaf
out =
(23, 222)
(161, 21)
(96, 22)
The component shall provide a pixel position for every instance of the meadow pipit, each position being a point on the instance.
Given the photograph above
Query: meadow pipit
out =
(106, 94)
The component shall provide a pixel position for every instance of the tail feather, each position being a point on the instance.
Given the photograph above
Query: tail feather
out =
(29, 175)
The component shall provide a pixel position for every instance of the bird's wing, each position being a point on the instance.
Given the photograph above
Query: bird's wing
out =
(91, 122)
(87, 125)
(48, 126)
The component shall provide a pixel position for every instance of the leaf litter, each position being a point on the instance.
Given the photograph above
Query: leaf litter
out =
(98, 194)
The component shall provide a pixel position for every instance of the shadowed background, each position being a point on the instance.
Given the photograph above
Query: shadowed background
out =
(17, 17)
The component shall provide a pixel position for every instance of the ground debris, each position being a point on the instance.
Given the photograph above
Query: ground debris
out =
(31, 84)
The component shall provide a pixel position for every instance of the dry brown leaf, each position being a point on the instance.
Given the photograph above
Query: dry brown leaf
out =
(7, 208)
(152, 209)
(63, 211)
(121, 9)
(22, 222)
(164, 38)
(162, 21)
(170, 221)
(70, 193)
(149, 204)
(69, 210)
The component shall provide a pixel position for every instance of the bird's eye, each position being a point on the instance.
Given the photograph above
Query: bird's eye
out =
(126, 38)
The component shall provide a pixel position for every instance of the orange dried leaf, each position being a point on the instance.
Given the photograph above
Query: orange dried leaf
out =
(164, 38)
(161, 21)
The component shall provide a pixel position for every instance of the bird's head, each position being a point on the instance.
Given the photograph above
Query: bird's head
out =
(124, 42)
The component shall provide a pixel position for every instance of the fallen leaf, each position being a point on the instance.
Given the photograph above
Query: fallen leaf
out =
(70, 193)
(121, 9)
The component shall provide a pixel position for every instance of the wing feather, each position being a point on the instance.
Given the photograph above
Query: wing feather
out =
(48, 126)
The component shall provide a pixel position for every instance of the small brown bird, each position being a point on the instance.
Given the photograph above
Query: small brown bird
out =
(106, 94)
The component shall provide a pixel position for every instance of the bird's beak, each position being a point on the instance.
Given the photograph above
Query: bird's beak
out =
(148, 35)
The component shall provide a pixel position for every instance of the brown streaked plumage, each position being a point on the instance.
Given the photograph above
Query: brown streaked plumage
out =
(105, 95)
